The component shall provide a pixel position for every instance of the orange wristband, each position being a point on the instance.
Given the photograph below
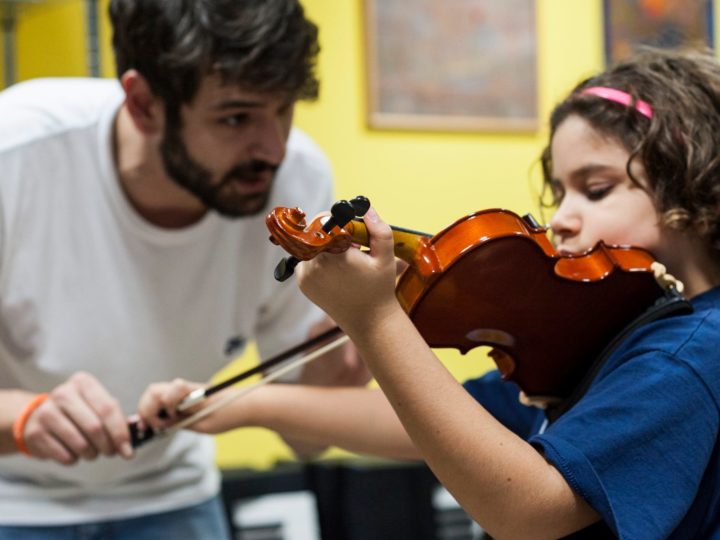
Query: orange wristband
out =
(19, 423)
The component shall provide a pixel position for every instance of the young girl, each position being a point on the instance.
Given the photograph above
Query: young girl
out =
(633, 159)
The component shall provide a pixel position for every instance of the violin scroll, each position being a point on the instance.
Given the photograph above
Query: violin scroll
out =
(288, 229)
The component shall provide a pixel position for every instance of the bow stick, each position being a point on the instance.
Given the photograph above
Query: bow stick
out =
(139, 435)
(207, 411)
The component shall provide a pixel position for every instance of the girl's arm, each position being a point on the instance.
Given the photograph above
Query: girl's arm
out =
(357, 419)
(500, 479)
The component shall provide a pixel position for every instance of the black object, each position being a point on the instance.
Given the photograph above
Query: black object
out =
(356, 499)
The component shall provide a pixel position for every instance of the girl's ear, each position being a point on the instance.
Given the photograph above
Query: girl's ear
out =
(145, 108)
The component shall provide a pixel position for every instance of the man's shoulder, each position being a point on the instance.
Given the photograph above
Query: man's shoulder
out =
(52, 91)
(303, 150)
(305, 176)
(40, 108)
(305, 162)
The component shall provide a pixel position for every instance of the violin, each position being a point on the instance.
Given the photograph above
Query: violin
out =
(494, 278)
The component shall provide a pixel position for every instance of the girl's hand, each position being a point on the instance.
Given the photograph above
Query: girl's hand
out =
(354, 285)
(158, 405)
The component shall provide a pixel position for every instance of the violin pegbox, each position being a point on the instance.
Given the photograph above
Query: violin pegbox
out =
(289, 230)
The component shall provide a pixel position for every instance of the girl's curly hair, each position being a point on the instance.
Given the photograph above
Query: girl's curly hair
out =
(679, 147)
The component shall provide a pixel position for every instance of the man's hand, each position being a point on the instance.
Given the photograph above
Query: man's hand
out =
(79, 421)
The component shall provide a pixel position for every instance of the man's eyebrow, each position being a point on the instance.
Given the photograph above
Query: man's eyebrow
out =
(247, 104)
(238, 104)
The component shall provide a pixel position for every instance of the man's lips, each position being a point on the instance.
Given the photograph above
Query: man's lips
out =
(252, 183)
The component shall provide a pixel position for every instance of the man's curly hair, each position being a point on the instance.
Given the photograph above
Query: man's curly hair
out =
(260, 45)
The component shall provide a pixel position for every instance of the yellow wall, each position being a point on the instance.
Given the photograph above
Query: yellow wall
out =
(427, 180)
(419, 180)
(51, 40)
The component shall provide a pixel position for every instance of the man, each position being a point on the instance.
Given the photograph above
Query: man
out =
(133, 249)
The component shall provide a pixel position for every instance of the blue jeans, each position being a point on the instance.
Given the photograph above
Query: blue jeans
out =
(205, 521)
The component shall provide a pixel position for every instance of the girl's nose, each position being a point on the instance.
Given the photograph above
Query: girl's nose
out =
(566, 221)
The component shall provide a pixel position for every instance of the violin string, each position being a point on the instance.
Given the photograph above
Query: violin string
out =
(264, 366)
(276, 374)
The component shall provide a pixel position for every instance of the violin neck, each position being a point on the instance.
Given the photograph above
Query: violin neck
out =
(406, 242)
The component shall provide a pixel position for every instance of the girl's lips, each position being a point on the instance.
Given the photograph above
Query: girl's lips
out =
(566, 251)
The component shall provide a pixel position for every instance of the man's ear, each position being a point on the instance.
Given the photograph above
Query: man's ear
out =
(145, 108)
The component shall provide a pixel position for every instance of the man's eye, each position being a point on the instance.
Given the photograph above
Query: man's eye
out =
(235, 120)
(598, 193)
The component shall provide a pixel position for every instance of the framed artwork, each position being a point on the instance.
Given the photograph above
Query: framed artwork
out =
(630, 24)
(452, 65)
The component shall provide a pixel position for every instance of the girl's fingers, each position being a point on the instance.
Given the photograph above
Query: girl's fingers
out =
(158, 405)
(381, 238)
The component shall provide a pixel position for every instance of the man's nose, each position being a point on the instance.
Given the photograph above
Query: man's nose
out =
(269, 141)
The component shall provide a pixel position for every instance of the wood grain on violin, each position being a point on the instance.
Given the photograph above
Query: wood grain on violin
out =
(494, 278)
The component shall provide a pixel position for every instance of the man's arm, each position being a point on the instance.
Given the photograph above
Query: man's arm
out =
(78, 420)
(12, 403)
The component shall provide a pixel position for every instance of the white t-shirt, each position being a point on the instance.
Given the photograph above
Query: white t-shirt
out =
(87, 284)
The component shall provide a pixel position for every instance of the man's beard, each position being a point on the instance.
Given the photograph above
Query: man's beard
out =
(195, 178)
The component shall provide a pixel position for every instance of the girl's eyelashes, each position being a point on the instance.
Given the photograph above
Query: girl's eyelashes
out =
(597, 193)
(556, 191)
(592, 187)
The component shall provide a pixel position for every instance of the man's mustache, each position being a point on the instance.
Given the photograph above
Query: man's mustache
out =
(249, 171)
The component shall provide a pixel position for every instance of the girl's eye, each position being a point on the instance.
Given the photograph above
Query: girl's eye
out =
(598, 193)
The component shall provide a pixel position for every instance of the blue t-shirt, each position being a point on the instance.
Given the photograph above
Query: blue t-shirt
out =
(641, 446)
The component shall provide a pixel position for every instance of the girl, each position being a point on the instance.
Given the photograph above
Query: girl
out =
(633, 160)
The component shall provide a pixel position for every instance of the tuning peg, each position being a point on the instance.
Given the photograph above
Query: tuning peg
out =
(285, 268)
(361, 205)
(342, 212)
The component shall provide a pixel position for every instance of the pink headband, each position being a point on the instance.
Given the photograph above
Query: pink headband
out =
(618, 96)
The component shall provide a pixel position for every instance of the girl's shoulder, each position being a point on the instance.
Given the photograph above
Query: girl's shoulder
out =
(690, 340)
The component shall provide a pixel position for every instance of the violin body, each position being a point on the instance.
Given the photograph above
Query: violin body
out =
(493, 278)
(503, 285)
